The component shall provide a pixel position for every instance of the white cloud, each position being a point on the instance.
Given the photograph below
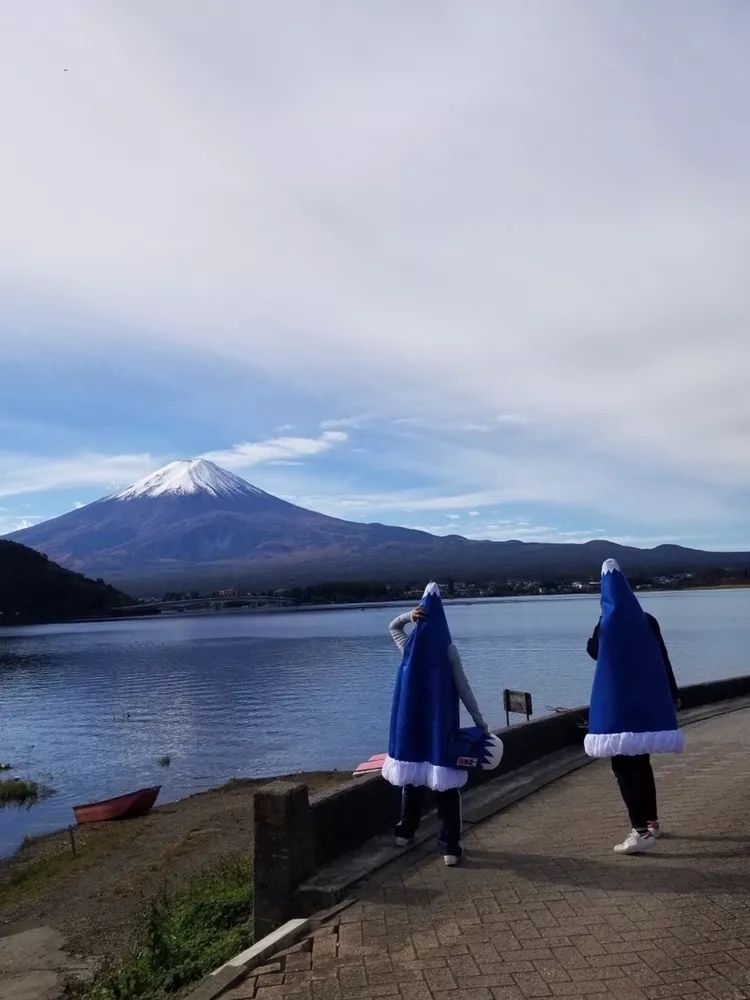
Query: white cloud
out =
(477, 475)
(13, 522)
(352, 423)
(28, 474)
(521, 531)
(533, 209)
(511, 419)
(21, 474)
(277, 450)
(439, 424)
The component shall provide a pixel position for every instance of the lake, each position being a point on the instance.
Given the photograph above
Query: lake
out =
(91, 708)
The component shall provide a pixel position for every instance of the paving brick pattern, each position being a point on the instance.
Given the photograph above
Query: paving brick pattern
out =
(543, 908)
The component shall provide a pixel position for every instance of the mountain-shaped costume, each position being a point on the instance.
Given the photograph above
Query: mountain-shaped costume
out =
(427, 748)
(632, 712)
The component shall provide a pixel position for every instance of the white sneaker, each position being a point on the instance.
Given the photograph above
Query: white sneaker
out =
(636, 843)
(655, 830)
(450, 860)
(404, 841)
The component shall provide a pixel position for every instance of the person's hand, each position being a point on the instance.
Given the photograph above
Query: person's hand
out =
(677, 704)
(486, 729)
(418, 614)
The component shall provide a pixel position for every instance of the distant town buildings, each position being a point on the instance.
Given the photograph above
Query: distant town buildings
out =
(360, 593)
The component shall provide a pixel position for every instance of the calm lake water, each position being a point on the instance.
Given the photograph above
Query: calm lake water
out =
(91, 708)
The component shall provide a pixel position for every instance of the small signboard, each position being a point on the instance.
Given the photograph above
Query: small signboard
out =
(518, 702)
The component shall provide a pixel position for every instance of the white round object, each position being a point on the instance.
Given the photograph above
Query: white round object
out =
(493, 753)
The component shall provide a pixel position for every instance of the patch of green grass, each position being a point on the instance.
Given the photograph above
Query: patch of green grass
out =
(38, 875)
(164, 761)
(184, 936)
(16, 791)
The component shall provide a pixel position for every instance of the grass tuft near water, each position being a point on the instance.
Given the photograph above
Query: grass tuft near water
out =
(184, 936)
(16, 791)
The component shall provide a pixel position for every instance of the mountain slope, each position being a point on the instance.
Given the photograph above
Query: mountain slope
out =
(192, 513)
(33, 589)
(193, 524)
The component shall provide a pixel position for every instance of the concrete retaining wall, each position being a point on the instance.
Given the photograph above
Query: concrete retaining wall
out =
(708, 693)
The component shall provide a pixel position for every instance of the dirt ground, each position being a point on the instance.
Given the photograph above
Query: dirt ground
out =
(95, 897)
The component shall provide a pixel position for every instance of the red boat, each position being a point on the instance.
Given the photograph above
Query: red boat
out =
(123, 807)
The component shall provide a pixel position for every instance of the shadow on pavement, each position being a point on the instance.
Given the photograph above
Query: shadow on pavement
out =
(643, 873)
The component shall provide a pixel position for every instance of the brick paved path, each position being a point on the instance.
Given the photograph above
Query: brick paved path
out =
(543, 908)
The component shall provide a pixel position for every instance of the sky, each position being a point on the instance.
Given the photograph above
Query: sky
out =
(475, 268)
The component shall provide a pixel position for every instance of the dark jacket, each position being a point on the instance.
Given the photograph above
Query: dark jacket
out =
(592, 648)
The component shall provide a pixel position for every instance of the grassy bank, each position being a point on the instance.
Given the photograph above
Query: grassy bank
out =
(182, 936)
(44, 862)
(101, 897)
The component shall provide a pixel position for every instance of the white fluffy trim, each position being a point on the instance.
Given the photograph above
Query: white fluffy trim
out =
(630, 744)
(406, 772)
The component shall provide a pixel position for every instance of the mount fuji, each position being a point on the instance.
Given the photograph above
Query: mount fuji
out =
(193, 525)
(193, 522)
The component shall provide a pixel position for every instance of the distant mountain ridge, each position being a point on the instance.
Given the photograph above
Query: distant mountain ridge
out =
(195, 525)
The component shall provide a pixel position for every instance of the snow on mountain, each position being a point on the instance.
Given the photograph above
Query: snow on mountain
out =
(186, 478)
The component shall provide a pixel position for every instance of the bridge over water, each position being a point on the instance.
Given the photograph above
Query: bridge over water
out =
(212, 603)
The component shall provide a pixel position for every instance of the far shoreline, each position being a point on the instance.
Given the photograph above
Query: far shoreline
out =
(375, 605)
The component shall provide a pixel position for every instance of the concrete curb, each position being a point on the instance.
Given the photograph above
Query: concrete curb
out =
(235, 970)
(273, 946)
(277, 940)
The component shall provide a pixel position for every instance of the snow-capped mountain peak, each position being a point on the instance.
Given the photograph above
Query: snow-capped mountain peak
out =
(188, 478)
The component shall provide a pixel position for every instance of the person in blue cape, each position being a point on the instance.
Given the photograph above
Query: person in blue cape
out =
(633, 703)
(427, 748)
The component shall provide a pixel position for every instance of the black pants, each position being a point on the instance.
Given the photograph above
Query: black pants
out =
(449, 817)
(637, 787)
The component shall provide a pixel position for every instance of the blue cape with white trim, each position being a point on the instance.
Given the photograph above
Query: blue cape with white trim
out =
(631, 709)
(426, 745)
(425, 712)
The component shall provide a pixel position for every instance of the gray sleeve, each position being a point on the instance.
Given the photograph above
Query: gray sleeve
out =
(397, 628)
(463, 687)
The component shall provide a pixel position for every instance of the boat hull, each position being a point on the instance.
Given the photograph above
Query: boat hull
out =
(121, 807)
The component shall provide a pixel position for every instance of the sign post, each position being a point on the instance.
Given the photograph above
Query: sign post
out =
(518, 702)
